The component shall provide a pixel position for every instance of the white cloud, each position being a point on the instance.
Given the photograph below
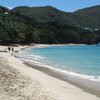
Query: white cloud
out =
(10, 8)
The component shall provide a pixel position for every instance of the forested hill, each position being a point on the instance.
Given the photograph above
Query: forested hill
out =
(89, 17)
(48, 25)
(46, 14)
(3, 9)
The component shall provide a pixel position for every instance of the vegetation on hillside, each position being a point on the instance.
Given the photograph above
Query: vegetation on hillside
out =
(89, 17)
(45, 25)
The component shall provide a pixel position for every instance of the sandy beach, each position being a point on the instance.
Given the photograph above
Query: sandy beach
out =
(19, 81)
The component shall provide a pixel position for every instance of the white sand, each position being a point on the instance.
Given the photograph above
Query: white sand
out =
(20, 82)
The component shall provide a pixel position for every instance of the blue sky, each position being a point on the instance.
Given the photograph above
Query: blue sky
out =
(65, 5)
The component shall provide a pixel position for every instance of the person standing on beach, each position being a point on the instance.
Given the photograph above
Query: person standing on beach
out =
(12, 49)
(9, 49)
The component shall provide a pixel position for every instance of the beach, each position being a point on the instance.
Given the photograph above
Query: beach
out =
(22, 81)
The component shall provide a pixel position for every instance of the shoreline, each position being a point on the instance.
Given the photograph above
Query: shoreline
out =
(23, 47)
(86, 85)
(52, 81)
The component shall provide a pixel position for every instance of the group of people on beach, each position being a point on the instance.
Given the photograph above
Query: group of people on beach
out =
(10, 49)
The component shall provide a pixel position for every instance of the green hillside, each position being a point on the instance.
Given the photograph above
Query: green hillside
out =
(46, 14)
(44, 25)
(89, 17)
(3, 9)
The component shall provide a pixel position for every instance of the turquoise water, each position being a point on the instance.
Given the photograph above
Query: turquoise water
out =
(78, 59)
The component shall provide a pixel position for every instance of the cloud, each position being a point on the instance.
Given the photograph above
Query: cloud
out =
(10, 8)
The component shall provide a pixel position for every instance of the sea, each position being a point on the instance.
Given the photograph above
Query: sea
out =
(81, 61)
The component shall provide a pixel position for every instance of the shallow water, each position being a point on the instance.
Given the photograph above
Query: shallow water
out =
(78, 59)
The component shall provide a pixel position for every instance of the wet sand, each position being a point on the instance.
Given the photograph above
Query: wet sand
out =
(86, 85)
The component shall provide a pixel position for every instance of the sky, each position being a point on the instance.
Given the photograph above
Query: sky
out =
(64, 5)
